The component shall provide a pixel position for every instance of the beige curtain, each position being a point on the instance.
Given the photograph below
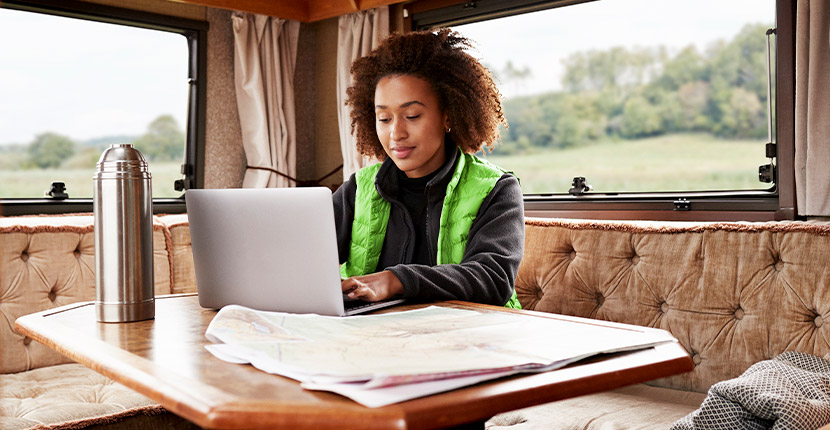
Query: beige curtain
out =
(265, 52)
(812, 107)
(359, 33)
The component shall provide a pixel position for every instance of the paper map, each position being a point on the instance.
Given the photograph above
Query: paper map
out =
(434, 348)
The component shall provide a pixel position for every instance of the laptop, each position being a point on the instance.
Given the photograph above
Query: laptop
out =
(270, 249)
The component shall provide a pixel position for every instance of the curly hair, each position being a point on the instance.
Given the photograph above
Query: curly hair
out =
(465, 89)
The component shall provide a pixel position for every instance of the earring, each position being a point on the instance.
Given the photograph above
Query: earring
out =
(449, 129)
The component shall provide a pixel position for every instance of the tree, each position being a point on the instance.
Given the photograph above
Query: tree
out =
(516, 78)
(50, 150)
(687, 66)
(739, 64)
(617, 69)
(163, 141)
(743, 115)
(640, 118)
(693, 98)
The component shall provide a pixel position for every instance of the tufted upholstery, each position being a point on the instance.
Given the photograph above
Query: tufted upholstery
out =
(732, 293)
(30, 397)
(181, 254)
(46, 262)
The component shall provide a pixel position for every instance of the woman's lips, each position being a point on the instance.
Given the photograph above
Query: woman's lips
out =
(402, 151)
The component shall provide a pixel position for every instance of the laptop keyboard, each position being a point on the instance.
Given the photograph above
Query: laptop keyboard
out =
(350, 303)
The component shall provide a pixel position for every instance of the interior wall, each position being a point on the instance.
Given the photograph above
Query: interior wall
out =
(181, 10)
(224, 155)
(318, 136)
(304, 102)
(326, 131)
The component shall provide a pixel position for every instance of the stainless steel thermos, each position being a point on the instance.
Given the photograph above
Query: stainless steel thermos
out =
(123, 209)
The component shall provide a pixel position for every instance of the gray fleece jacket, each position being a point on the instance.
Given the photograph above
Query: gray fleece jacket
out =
(487, 272)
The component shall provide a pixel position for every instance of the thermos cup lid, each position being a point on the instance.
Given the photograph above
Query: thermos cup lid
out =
(122, 158)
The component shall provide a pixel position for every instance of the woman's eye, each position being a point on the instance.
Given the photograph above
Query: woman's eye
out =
(383, 119)
(413, 116)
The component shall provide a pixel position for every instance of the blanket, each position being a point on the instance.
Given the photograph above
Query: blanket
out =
(790, 391)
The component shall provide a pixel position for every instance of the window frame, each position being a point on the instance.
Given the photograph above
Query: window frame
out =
(194, 160)
(775, 203)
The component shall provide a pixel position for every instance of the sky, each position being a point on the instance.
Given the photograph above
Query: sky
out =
(547, 37)
(136, 76)
(143, 73)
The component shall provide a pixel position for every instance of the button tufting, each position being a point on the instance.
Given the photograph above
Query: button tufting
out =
(635, 259)
(600, 299)
(696, 359)
(77, 253)
(739, 313)
(27, 340)
(818, 321)
(52, 295)
(572, 255)
(24, 256)
(664, 307)
(779, 265)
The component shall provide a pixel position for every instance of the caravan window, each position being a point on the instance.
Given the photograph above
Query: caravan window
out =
(74, 83)
(645, 99)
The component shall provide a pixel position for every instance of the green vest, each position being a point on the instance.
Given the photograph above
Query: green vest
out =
(471, 182)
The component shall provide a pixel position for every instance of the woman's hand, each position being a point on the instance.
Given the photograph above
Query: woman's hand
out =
(373, 287)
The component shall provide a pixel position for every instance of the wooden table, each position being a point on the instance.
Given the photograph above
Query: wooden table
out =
(165, 360)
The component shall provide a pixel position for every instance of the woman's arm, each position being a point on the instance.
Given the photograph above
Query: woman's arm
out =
(487, 273)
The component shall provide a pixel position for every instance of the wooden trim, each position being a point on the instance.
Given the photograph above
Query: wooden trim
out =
(298, 10)
(420, 6)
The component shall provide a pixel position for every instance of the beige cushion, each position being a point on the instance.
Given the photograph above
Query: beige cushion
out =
(64, 393)
(732, 293)
(638, 407)
(46, 262)
(184, 277)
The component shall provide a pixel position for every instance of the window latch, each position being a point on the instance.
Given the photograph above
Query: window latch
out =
(580, 187)
(186, 182)
(682, 205)
(766, 173)
(57, 191)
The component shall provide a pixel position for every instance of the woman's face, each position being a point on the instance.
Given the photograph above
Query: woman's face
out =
(410, 124)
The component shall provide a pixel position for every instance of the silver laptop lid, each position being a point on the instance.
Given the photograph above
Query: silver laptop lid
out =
(272, 249)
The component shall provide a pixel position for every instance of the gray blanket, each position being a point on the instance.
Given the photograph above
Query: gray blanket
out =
(791, 391)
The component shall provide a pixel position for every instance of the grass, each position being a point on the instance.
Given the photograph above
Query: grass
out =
(31, 183)
(680, 162)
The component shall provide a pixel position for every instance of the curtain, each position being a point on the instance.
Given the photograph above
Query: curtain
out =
(812, 107)
(265, 52)
(358, 34)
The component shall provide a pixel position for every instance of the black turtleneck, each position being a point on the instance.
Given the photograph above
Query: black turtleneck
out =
(412, 193)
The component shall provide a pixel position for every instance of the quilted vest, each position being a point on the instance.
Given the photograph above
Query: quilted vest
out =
(471, 182)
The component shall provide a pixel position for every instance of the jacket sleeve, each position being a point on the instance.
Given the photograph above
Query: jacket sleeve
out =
(343, 200)
(487, 272)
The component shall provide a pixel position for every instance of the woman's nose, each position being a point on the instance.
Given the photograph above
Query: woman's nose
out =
(398, 131)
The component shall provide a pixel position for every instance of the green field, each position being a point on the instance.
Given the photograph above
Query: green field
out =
(680, 162)
(669, 163)
(30, 183)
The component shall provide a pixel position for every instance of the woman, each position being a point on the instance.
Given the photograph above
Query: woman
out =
(432, 221)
